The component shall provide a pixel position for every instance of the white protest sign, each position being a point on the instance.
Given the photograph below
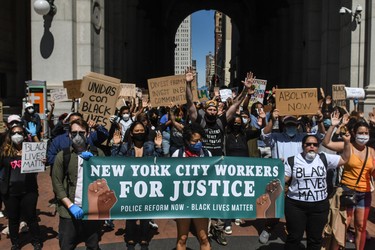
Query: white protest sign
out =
(355, 93)
(32, 155)
(259, 90)
(225, 94)
(59, 95)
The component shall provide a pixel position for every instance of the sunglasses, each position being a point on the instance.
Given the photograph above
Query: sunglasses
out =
(315, 144)
(75, 133)
(17, 132)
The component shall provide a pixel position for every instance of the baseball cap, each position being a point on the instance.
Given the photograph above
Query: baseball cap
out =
(290, 120)
(14, 118)
(28, 105)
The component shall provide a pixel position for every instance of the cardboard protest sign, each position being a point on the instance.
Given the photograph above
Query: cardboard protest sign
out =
(99, 98)
(302, 101)
(259, 91)
(32, 155)
(203, 94)
(73, 88)
(145, 100)
(2, 125)
(338, 95)
(170, 89)
(355, 93)
(59, 95)
(225, 94)
(127, 90)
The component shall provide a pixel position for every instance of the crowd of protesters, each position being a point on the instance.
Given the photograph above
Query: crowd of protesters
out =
(235, 129)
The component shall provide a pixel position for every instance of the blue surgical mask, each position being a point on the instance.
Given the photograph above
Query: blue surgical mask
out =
(245, 120)
(291, 131)
(197, 147)
(327, 122)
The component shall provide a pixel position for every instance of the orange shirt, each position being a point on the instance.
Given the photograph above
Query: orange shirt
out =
(352, 169)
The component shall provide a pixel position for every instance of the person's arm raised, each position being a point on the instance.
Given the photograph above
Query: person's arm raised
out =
(192, 110)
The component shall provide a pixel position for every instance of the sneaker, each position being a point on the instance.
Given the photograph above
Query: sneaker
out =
(109, 224)
(23, 227)
(264, 237)
(350, 236)
(238, 222)
(218, 235)
(228, 230)
(1, 214)
(153, 225)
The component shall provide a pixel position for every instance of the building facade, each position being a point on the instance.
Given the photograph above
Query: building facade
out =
(290, 43)
(183, 50)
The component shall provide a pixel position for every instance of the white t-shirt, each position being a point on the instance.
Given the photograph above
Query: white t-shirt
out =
(309, 181)
(79, 185)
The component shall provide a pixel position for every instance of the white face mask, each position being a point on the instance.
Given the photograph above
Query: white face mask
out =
(126, 117)
(244, 120)
(361, 139)
(17, 139)
(30, 111)
(310, 156)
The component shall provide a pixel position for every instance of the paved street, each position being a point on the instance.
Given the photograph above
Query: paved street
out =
(243, 237)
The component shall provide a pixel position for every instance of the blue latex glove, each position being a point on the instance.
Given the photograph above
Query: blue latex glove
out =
(31, 128)
(76, 211)
(86, 155)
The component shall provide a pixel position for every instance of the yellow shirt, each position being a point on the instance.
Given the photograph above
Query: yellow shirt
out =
(352, 169)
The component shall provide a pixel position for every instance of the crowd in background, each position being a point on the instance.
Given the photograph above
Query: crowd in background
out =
(235, 128)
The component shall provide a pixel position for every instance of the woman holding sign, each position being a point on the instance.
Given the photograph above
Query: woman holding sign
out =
(19, 191)
(192, 134)
(136, 145)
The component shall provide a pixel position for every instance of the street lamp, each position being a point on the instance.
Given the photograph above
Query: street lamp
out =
(45, 7)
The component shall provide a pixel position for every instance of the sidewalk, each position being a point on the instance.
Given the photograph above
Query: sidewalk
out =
(243, 237)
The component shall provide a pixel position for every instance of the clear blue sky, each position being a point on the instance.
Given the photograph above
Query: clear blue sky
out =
(203, 40)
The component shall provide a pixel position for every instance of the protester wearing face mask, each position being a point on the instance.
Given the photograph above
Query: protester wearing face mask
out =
(306, 201)
(19, 191)
(283, 145)
(137, 145)
(193, 136)
(31, 118)
(352, 169)
(67, 182)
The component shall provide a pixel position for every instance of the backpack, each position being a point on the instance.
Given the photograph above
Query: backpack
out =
(66, 160)
(182, 150)
(330, 175)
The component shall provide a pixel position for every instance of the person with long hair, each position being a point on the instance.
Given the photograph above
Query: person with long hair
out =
(19, 191)
(137, 145)
(353, 171)
(193, 135)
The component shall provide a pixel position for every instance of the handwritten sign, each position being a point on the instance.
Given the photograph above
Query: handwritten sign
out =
(59, 95)
(170, 89)
(127, 90)
(338, 95)
(259, 90)
(73, 88)
(355, 93)
(203, 94)
(99, 98)
(32, 155)
(2, 126)
(302, 101)
(225, 94)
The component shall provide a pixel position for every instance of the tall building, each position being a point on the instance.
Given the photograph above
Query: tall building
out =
(210, 68)
(183, 51)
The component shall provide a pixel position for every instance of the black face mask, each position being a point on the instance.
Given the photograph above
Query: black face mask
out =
(140, 137)
(237, 128)
(211, 118)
